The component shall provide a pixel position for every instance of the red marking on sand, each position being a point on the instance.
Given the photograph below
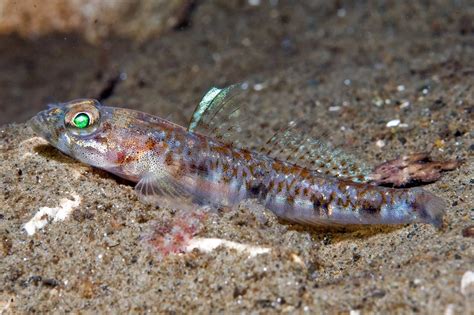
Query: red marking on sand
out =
(173, 237)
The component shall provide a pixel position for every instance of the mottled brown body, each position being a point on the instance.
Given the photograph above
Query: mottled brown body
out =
(175, 166)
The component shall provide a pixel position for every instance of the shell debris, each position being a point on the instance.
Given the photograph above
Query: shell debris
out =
(209, 244)
(56, 214)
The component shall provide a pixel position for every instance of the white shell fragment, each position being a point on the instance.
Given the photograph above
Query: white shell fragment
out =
(380, 143)
(45, 214)
(393, 123)
(209, 244)
(467, 283)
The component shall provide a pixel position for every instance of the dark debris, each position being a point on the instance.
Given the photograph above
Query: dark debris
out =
(412, 170)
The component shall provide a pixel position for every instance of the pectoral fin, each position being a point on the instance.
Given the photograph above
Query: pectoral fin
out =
(163, 190)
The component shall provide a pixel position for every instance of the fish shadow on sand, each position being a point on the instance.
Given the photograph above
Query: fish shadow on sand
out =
(336, 234)
(49, 152)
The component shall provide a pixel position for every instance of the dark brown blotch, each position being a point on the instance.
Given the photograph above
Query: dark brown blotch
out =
(169, 158)
(367, 204)
(280, 186)
(150, 143)
(290, 200)
(106, 126)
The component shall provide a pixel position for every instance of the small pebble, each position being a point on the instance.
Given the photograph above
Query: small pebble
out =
(401, 88)
(378, 101)
(254, 2)
(258, 87)
(380, 143)
(449, 309)
(334, 108)
(467, 282)
(341, 12)
(439, 143)
(393, 123)
(405, 104)
(246, 42)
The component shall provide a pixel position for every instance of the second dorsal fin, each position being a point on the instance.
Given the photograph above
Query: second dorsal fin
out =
(292, 144)
(223, 113)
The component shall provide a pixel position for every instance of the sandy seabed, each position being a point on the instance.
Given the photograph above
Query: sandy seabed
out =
(351, 69)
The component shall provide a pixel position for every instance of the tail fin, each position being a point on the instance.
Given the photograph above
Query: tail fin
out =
(431, 208)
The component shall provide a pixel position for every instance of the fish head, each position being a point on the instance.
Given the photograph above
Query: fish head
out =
(122, 141)
(77, 128)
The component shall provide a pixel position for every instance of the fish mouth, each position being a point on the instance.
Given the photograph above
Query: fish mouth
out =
(38, 124)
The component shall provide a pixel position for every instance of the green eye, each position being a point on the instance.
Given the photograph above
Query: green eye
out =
(81, 120)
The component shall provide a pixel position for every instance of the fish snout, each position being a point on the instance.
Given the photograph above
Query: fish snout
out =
(45, 125)
(37, 123)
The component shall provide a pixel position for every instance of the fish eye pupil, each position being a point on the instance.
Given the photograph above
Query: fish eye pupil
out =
(81, 120)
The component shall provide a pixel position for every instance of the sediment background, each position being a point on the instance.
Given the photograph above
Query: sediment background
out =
(349, 68)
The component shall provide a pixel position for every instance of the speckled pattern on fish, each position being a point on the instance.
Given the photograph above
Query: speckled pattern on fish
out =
(176, 166)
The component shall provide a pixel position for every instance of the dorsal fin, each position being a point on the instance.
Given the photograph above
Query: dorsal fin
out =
(222, 113)
(293, 145)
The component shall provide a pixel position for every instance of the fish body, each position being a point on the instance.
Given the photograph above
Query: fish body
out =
(174, 166)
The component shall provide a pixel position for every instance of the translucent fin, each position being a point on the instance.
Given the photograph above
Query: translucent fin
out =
(211, 97)
(164, 191)
(222, 114)
(431, 208)
(293, 145)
